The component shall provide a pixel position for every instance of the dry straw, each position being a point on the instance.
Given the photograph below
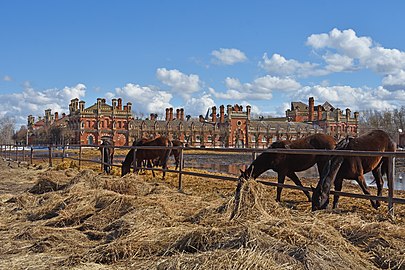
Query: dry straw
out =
(86, 220)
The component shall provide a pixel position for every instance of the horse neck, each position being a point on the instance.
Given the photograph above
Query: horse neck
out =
(257, 167)
(129, 157)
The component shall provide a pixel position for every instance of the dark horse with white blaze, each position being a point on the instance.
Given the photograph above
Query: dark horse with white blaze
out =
(354, 167)
(148, 154)
(107, 155)
(288, 164)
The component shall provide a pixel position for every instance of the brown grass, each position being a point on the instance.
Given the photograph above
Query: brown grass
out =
(67, 219)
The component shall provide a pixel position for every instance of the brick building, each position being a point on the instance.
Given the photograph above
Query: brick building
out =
(233, 127)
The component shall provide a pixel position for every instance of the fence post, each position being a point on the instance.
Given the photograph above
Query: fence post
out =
(181, 169)
(16, 152)
(31, 155)
(391, 166)
(9, 152)
(23, 152)
(80, 156)
(63, 153)
(50, 155)
(134, 161)
(102, 156)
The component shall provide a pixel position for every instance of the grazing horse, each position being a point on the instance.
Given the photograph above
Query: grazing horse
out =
(354, 168)
(288, 164)
(148, 154)
(107, 153)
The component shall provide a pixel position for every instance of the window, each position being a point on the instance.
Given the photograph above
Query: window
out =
(264, 139)
(253, 139)
(90, 139)
(197, 138)
(209, 138)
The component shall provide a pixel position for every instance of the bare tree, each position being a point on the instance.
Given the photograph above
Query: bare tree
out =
(6, 130)
(20, 137)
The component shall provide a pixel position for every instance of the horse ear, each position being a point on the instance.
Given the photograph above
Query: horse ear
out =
(313, 189)
(242, 172)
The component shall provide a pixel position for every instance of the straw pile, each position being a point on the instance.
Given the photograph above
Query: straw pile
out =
(68, 219)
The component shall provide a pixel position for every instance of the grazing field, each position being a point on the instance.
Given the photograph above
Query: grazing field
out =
(62, 218)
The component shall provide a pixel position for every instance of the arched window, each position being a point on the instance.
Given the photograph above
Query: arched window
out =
(90, 139)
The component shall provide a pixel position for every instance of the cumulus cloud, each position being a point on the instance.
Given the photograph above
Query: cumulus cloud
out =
(395, 81)
(31, 101)
(278, 65)
(180, 83)
(346, 47)
(7, 78)
(355, 98)
(228, 56)
(145, 99)
(199, 105)
(259, 89)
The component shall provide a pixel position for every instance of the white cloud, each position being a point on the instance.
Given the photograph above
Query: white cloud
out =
(145, 98)
(394, 81)
(229, 56)
(357, 99)
(35, 102)
(199, 105)
(181, 84)
(261, 88)
(338, 63)
(7, 78)
(278, 65)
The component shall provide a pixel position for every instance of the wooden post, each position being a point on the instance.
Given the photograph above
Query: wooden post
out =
(181, 164)
(16, 152)
(102, 156)
(9, 152)
(80, 156)
(63, 153)
(390, 177)
(31, 155)
(23, 152)
(50, 155)
(134, 161)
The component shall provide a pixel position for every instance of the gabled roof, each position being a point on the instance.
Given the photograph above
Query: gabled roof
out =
(299, 105)
(328, 107)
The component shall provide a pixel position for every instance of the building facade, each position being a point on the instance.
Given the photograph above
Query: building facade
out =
(232, 126)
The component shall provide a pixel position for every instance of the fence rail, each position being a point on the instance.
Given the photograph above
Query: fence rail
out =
(27, 153)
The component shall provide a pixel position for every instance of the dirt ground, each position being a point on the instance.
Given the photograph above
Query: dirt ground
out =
(62, 218)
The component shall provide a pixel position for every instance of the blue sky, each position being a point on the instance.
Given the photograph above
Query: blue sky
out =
(196, 54)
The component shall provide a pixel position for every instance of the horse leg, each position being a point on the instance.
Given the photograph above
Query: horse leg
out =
(150, 165)
(281, 179)
(362, 183)
(379, 181)
(338, 187)
(293, 176)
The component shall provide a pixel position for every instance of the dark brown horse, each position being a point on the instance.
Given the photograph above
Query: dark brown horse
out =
(288, 164)
(107, 155)
(354, 168)
(148, 154)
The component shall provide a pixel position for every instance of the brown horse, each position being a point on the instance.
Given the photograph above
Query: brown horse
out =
(107, 155)
(148, 154)
(288, 164)
(354, 168)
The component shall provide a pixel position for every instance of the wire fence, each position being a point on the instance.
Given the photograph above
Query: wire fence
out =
(75, 152)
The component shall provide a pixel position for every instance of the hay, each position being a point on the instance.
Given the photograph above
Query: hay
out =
(86, 220)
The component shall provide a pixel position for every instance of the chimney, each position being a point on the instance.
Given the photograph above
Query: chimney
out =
(129, 107)
(338, 114)
(125, 108)
(167, 114)
(114, 103)
(170, 114)
(152, 116)
(214, 114)
(103, 101)
(81, 105)
(56, 116)
(319, 112)
(63, 115)
(229, 110)
(348, 114)
(177, 113)
(201, 118)
(182, 114)
(311, 109)
(98, 103)
(221, 113)
(248, 110)
(119, 104)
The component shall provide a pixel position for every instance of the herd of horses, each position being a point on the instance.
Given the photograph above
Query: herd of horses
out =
(332, 169)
